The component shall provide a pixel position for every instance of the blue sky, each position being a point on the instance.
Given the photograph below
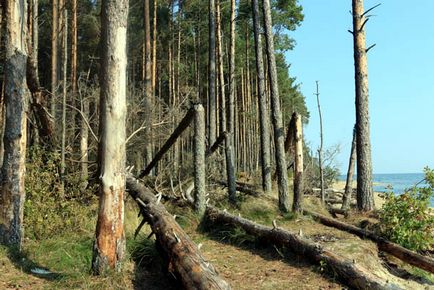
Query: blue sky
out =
(401, 79)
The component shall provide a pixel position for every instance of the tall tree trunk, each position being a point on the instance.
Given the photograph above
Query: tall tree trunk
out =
(365, 195)
(262, 100)
(74, 48)
(54, 58)
(230, 174)
(110, 240)
(321, 169)
(154, 48)
(346, 201)
(65, 65)
(279, 137)
(16, 99)
(147, 84)
(230, 148)
(212, 74)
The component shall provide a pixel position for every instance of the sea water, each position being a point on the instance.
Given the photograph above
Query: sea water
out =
(398, 182)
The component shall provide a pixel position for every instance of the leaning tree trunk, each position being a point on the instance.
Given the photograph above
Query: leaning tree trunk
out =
(16, 99)
(279, 135)
(346, 200)
(212, 75)
(365, 195)
(262, 99)
(110, 240)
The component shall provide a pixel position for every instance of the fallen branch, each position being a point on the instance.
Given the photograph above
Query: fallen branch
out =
(384, 245)
(184, 257)
(353, 275)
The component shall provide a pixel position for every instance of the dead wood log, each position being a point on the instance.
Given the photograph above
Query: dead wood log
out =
(333, 211)
(352, 274)
(216, 144)
(241, 187)
(185, 122)
(384, 245)
(184, 257)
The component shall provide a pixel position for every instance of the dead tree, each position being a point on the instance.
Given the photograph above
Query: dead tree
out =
(352, 274)
(384, 245)
(199, 159)
(298, 168)
(15, 134)
(365, 194)
(54, 57)
(346, 200)
(147, 82)
(109, 245)
(184, 257)
(321, 169)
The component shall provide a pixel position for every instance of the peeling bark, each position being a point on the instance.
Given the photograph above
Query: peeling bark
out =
(109, 245)
(16, 101)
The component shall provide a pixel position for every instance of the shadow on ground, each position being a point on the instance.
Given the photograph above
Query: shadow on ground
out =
(21, 261)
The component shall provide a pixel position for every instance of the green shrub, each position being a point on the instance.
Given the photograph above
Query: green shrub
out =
(46, 211)
(406, 218)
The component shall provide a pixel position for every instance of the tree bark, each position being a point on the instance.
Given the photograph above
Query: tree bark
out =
(109, 246)
(74, 48)
(225, 126)
(384, 245)
(147, 84)
(212, 74)
(65, 65)
(183, 255)
(298, 168)
(353, 275)
(281, 169)
(54, 58)
(16, 100)
(199, 160)
(262, 99)
(365, 195)
(346, 200)
(154, 48)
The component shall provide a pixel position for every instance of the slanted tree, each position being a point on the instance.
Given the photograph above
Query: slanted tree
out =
(15, 135)
(346, 200)
(365, 195)
(109, 245)
(276, 112)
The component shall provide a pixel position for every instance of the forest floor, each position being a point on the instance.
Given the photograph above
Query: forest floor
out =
(241, 260)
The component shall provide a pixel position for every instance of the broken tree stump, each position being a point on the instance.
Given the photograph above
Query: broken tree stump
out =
(384, 245)
(352, 274)
(184, 256)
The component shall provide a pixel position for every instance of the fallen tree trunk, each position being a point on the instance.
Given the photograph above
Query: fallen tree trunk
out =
(384, 245)
(184, 257)
(241, 187)
(352, 274)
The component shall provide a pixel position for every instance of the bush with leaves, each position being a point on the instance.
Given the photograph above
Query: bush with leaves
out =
(406, 219)
(46, 211)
